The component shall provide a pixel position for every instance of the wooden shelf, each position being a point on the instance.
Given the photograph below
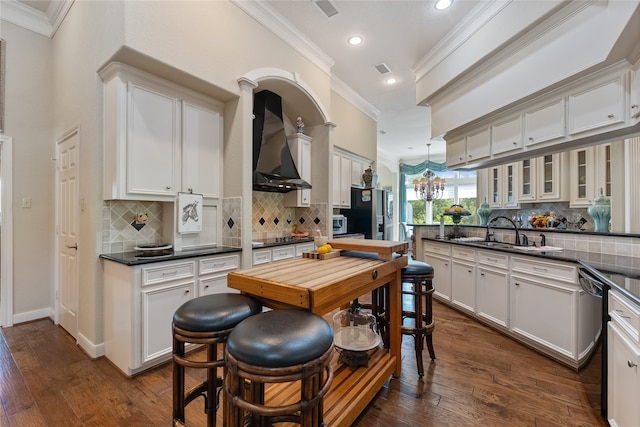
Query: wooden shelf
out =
(350, 391)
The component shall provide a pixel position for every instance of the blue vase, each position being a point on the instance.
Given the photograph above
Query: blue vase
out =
(484, 212)
(600, 211)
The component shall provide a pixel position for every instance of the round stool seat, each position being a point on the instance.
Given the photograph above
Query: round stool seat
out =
(280, 338)
(215, 312)
(415, 268)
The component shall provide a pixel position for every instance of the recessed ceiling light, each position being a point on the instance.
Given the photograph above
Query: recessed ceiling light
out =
(391, 81)
(443, 4)
(355, 40)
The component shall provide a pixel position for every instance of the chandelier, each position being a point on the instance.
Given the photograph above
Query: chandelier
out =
(429, 187)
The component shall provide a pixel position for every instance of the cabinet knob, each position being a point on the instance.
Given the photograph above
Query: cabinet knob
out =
(517, 284)
(187, 291)
(168, 187)
(634, 106)
(515, 143)
(611, 116)
(631, 364)
(460, 158)
(530, 138)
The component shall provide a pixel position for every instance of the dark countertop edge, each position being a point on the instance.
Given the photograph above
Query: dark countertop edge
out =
(535, 230)
(284, 243)
(601, 274)
(129, 258)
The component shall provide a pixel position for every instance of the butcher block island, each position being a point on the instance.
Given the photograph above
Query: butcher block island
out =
(324, 285)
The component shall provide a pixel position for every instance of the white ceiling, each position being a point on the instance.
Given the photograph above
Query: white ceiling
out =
(397, 33)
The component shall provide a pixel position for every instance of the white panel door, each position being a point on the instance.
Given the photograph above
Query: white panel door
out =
(67, 194)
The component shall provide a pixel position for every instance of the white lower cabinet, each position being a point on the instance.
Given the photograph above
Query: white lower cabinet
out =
(463, 286)
(530, 299)
(544, 312)
(140, 300)
(280, 253)
(158, 306)
(623, 362)
(492, 288)
(442, 276)
(438, 256)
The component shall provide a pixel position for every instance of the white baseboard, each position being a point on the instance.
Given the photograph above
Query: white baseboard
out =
(93, 350)
(28, 316)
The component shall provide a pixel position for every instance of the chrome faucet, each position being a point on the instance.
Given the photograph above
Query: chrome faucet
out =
(494, 219)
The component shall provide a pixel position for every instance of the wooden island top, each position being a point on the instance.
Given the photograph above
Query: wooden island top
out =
(322, 286)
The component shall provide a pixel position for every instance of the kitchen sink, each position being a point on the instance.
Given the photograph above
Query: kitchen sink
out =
(497, 245)
(539, 248)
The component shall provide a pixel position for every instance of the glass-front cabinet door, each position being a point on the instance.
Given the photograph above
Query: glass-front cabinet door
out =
(549, 180)
(527, 180)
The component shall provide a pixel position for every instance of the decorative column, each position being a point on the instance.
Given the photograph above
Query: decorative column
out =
(632, 174)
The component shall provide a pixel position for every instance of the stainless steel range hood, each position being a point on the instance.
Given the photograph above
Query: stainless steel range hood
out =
(273, 167)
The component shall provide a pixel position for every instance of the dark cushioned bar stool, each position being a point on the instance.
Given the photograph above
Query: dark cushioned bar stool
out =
(417, 292)
(206, 320)
(279, 346)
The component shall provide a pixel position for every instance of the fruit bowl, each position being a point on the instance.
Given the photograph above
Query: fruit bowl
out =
(456, 212)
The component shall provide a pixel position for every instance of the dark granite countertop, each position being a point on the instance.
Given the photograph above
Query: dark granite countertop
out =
(621, 274)
(136, 258)
(280, 241)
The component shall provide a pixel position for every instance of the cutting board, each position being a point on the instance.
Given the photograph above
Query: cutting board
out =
(384, 248)
(316, 255)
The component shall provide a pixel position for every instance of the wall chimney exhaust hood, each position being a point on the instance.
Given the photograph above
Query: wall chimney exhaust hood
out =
(273, 167)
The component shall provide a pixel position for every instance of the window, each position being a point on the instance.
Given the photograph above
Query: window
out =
(460, 189)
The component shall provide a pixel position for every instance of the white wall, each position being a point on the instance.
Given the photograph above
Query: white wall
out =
(28, 119)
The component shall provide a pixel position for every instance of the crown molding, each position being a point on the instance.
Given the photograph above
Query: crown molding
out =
(461, 33)
(31, 19)
(278, 25)
(341, 88)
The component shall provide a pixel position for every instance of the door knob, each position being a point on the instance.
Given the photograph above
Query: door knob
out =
(74, 246)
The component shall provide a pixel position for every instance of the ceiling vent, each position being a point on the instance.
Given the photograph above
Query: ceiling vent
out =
(382, 68)
(327, 7)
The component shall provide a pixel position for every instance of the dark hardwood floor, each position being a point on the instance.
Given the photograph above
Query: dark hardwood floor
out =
(480, 378)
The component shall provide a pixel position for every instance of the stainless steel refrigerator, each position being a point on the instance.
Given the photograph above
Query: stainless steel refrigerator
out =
(370, 213)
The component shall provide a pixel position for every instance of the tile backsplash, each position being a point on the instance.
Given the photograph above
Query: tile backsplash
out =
(271, 218)
(120, 232)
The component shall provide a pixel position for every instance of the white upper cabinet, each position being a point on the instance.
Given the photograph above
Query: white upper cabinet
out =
(597, 106)
(341, 193)
(201, 150)
(478, 145)
(590, 107)
(152, 147)
(456, 152)
(159, 138)
(635, 92)
(540, 179)
(503, 186)
(506, 135)
(544, 123)
(300, 146)
(590, 170)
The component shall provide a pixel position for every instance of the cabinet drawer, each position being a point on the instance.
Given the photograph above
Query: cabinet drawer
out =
(566, 273)
(285, 252)
(625, 314)
(459, 253)
(262, 257)
(304, 247)
(214, 285)
(437, 249)
(217, 264)
(494, 259)
(166, 273)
